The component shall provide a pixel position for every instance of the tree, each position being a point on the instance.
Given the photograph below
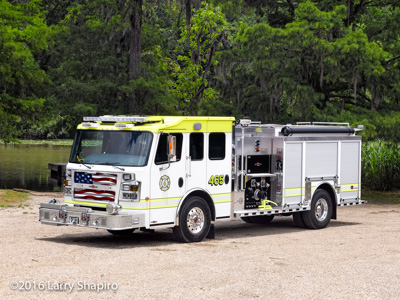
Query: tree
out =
(194, 64)
(23, 37)
(313, 60)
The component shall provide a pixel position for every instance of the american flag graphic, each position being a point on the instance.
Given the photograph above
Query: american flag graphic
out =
(89, 194)
(94, 194)
(99, 178)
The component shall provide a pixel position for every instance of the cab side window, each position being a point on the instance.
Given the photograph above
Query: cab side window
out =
(216, 146)
(162, 148)
(196, 146)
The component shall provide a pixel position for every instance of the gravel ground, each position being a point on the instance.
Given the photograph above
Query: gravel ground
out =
(357, 256)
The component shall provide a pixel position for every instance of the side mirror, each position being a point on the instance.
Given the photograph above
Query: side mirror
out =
(171, 148)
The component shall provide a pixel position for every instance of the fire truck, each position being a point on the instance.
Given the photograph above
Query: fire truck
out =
(147, 172)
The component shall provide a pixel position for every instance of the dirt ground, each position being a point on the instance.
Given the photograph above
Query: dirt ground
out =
(356, 257)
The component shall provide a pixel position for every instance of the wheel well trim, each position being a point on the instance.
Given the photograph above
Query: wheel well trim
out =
(200, 193)
(331, 191)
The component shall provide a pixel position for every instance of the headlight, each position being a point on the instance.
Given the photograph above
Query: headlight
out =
(69, 172)
(113, 208)
(130, 191)
(130, 187)
(128, 177)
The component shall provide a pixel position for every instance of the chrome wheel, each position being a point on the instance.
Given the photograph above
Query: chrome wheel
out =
(320, 213)
(321, 209)
(195, 220)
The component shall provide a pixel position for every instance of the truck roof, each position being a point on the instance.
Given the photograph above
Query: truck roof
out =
(158, 124)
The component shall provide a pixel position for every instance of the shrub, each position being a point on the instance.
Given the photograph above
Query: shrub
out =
(381, 165)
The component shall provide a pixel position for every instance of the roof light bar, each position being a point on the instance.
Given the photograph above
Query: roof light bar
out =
(115, 119)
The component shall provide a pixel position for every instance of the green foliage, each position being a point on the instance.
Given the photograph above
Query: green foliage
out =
(381, 166)
(24, 35)
(151, 87)
(310, 62)
(198, 47)
(273, 61)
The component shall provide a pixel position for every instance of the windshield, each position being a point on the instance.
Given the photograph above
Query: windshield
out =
(122, 148)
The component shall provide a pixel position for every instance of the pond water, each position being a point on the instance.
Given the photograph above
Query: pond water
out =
(26, 166)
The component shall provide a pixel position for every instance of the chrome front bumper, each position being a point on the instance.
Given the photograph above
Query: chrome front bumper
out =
(57, 214)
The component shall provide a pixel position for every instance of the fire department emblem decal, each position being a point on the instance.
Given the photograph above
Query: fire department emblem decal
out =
(165, 182)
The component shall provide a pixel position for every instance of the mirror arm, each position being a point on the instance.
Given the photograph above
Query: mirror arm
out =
(169, 160)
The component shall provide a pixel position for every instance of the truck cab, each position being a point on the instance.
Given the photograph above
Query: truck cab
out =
(133, 172)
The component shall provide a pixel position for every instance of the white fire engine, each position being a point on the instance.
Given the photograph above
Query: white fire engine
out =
(130, 172)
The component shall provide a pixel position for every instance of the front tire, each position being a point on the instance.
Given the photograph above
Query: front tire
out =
(194, 221)
(262, 219)
(121, 232)
(246, 219)
(298, 220)
(321, 211)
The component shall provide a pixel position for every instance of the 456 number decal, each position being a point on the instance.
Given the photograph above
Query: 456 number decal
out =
(216, 180)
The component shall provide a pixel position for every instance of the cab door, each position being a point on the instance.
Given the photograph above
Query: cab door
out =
(196, 167)
(219, 170)
(167, 180)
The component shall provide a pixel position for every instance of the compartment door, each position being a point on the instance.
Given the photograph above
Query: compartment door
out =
(293, 170)
(350, 171)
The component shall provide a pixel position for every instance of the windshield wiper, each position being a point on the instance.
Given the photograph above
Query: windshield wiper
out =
(81, 162)
(115, 167)
(89, 167)
(122, 169)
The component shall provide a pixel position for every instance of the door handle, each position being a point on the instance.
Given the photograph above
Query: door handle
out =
(189, 166)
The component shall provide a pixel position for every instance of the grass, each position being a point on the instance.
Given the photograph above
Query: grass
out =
(378, 197)
(42, 142)
(10, 198)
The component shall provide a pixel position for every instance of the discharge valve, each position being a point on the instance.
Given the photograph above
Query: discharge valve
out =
(261, 194)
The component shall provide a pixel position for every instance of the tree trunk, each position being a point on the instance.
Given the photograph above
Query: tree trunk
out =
(188, 17)
(135, 48)
(135, 51)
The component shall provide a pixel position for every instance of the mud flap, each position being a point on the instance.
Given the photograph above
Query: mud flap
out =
(211, 233)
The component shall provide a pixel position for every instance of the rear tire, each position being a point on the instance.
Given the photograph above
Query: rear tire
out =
(121, 232)
(321, 211)
(194, 221)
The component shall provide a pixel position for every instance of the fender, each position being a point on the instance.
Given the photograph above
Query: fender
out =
(196, 192)
(329, 188)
